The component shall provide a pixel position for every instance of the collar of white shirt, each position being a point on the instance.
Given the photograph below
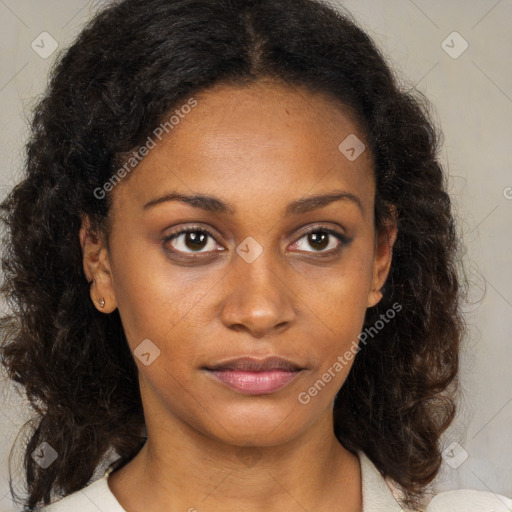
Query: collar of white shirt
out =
(378, 496)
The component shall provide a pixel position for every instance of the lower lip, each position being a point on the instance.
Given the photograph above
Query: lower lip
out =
(255, 383)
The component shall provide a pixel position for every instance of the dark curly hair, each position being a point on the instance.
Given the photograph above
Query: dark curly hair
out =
(134, 63)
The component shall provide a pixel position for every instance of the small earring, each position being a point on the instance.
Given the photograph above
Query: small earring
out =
(102, 303)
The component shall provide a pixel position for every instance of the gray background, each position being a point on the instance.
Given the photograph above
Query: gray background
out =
(472, 95)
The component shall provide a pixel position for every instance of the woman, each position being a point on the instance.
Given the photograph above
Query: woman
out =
(233, 261)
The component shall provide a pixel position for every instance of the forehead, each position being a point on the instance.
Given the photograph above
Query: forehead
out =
(266, 139)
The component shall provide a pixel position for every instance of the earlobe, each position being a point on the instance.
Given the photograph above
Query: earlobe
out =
(96, 267)
(100, 303)
(374, 298)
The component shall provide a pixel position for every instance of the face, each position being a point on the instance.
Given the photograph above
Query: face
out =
(244, 233)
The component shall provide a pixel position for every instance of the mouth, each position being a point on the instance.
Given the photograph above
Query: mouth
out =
(252, 376)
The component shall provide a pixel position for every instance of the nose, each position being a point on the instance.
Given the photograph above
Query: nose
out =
(257, 297)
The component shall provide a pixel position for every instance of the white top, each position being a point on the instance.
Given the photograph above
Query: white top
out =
(378, 496)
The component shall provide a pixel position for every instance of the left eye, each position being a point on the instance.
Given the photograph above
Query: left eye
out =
(321, 239)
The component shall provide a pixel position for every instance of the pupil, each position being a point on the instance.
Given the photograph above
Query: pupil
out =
(314, 239)
(197, 241)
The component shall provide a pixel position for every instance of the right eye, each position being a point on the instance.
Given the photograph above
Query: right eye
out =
(191, 240)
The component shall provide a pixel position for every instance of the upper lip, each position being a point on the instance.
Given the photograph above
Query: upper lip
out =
(252, 364)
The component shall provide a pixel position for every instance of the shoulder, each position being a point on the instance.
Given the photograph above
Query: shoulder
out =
(96, 496)
(384, 495)
(469, 501)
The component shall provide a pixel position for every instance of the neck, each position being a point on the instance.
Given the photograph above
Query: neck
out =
(180, 468)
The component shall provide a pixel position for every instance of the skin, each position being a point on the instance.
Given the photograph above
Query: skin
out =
(209, 447)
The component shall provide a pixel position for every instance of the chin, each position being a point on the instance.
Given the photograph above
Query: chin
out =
(254, 426)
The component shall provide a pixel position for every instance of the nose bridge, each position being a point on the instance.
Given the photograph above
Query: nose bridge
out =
(257, 297)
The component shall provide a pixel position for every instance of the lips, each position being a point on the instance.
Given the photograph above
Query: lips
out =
(250, 364)
(251, 376)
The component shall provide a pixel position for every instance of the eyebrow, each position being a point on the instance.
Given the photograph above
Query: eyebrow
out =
(216, 205)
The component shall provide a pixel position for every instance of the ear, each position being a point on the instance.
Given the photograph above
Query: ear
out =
(382, 261)
(97, 269)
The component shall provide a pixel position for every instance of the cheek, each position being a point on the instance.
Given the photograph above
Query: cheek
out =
(339, 293)
(149, 291)
(337, 305)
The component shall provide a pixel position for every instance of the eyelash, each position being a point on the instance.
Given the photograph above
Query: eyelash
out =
(343, 240)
